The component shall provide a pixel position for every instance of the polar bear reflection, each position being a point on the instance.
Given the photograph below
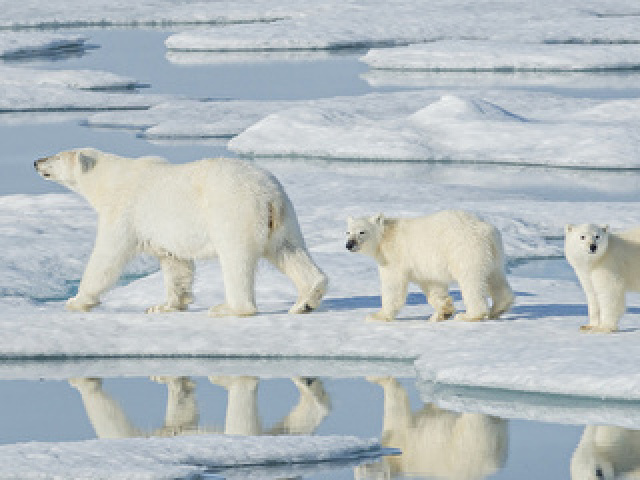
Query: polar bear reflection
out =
(436, 442)
(606, 453)
(109, 420)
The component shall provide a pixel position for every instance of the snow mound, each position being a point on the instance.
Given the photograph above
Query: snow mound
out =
(167, 458)
(451, 108)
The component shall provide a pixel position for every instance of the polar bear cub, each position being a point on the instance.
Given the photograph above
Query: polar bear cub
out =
(434, 251)
(221, 207)
(607, 265)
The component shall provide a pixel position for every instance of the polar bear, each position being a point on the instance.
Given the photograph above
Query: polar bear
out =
(606, 453)
(434, 251)
(437, 443)
(607, 265)
(222, 207)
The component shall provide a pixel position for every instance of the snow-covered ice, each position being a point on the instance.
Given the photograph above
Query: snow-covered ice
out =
(537, 346)
(32, 14)
(177, 457)
(540, 407)
(39, 90)
(340, 25)
(184, 118)
(488, 127)
(496, 56)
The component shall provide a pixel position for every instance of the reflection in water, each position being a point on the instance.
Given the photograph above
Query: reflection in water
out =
(606, 453)
(436, 442)
(109, 420)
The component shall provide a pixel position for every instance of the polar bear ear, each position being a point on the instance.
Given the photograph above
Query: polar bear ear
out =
(87, 162)
(605, 228)
(349, 220)
(568, 228)
(377, 219)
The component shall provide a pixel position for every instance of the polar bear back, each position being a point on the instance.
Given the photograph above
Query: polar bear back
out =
(442, 245)
(623, 257)
(189, 209)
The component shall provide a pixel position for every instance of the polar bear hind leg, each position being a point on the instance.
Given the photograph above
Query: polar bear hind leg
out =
(474, 292)
(502, 296)
(288, 253)
(178, 282)
(296, 263)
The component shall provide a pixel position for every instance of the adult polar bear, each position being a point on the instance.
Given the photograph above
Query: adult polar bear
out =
(213, 207)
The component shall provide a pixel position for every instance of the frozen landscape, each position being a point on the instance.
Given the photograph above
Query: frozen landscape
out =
(525, 113)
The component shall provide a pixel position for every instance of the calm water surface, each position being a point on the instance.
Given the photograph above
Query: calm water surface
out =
(383, 407)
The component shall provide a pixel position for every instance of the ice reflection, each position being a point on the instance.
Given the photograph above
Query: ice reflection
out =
(109, 420)
(606, 453)
(436, 442)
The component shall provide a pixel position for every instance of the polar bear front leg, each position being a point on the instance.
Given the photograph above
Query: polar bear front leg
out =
(438, 297)
(593, 308)
(238, 271)
(393, 290)
(178, 282)
(112, 250)
(609, 289)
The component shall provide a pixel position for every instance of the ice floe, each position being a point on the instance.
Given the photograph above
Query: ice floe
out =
(160, 458)
(333, 26)
(39, 90)
(540, 407)
(189, 118)
(460, 56)
(549, 130)
(33, 14)
(537, 346)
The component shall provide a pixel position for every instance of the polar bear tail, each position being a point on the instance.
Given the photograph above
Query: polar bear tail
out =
(275, 215)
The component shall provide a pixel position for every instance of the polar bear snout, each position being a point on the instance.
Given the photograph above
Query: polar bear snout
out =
(39, 164)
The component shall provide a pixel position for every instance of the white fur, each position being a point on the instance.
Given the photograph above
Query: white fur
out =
(606, 453)
(437, 443)
(223, 208)
(606, 273)
(434, 251)
(243, 418)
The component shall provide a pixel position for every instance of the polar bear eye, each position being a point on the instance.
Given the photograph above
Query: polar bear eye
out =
(597, 237)
(362, 233)
(581, 237)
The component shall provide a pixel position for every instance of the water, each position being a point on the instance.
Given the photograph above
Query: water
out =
(55, 410)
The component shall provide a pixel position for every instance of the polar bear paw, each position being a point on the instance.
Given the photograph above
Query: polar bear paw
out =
(378, 317)
(597, 329)
(465, 317)
(224, 310)
(76, 304)
(312, 300)
(165, 307)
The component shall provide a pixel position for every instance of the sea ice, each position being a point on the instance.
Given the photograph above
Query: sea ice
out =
(476, 56)
(19, 46)
(177, 457)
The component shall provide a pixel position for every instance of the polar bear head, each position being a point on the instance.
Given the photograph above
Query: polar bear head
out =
(586, 241)
(66, 168)
(364, 233)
